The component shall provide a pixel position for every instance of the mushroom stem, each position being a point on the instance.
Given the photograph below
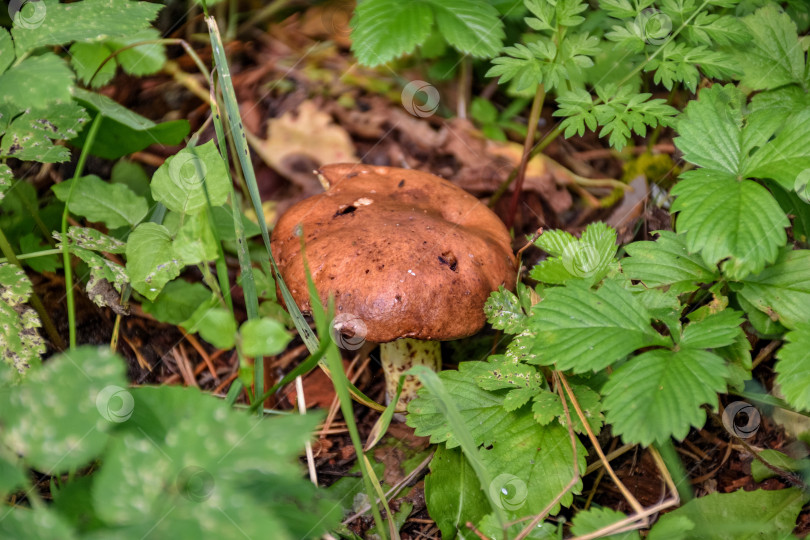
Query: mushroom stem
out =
(399, 356)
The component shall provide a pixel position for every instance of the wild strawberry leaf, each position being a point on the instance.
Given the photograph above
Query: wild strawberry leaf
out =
(481, 410)
(386, 29)
(660, 394)
(741, 515)
(793, 367)
(720, 329)
(667, 262)
(587, 258)
(531, 464)
(582, 330)
(775, 56)
(504, 312)
(594, 519)
(83, 21)
(782, 290)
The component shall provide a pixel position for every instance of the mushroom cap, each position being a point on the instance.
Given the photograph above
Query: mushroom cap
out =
(405, 253)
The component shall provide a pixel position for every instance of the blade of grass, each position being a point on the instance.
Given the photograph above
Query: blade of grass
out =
(71, 307)
(435, 386)
(341, 383)
(240, 140)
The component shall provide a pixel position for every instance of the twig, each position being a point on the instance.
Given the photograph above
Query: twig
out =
(629, 496)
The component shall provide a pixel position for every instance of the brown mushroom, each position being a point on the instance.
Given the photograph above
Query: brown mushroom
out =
(409, 257)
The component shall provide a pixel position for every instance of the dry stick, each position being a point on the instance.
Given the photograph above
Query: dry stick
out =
(199, 348)
(302, 408)
(333, 408)
(595, 466)
(598, 478)
(574, 479)
(628, 524)
(765, 353)
(629, 496)
(138, 356)
(534, 118)
(395, 489)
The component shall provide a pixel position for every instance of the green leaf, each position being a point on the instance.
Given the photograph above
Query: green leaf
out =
(666, 262)
(740, 515)
(594, 519)
(20, 344)
(151, 262)
(84, 21)
(481, 410)
(782, 290)
(88, 238)
(471, 26)
(132, 175)
(504, 312)
(548, 405)
(115, 205)
(126, 132)
(12, 476)
(793, 367)
(143, 59)
(453, 493)
(530, 464)
(248, 474)
(624, 111)
(195, 242)
(218, 327)
(86, 58)
(36, 82)
(785, 157)
(181, 182)
(587, 258)
(6, 177)
(717, 330)
(222, 219)
(760, 471)
(6, 50)
(92, 380)
(28, 137)
(33, 243)
(775, 56)
(384, 29)
(660, 393)
(726, 218)
(177, 301)
(263, 337)
(580, 329)
(36, 524)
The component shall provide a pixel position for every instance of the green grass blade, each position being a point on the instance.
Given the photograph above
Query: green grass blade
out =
(432, 382)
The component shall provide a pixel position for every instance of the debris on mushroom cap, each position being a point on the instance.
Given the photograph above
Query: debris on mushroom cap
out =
(406, 252)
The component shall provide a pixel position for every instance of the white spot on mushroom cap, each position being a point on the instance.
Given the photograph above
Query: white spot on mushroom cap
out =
(363, 201)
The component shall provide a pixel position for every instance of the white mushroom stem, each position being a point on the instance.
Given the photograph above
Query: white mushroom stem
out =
(399, 356)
